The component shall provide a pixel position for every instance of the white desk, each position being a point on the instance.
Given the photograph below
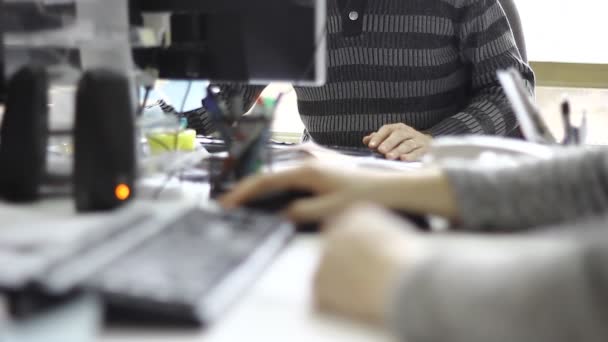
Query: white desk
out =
(277, 308)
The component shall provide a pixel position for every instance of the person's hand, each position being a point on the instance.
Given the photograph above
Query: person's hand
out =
(366, 250)
(426, 191)
(335, 189)
(399, 141)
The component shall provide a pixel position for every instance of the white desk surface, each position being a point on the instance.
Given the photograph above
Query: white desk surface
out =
(277, 308)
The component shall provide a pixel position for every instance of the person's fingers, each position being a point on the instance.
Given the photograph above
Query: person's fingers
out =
(404, 148)
(380, 136)
(346, 219)
(355, 270)
(368, 138)
(305, 178)
(414, 155)
(325, 284)
(394, 140)
(254, 186)
(317, 209)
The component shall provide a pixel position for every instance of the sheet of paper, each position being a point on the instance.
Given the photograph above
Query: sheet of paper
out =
(330, 156)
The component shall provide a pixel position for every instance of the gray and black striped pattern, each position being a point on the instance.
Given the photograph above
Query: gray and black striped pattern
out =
(430, 64)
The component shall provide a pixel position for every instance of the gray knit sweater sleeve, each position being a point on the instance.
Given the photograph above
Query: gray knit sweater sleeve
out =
(504, 289)
(486, 45)
(529, 193)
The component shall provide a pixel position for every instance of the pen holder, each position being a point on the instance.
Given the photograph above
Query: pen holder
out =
(246, 156)
(254, 157)
(249, 148)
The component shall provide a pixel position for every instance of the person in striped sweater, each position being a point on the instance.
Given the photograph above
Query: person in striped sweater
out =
(401, 72)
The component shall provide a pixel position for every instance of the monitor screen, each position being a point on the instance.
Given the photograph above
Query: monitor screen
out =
(254, 41)
(2, 80)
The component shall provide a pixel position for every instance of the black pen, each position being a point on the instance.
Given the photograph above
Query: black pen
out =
(566, 121)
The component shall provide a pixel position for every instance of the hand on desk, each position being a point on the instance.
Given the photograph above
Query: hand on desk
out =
(425, 191)
(399, 141)
(366, 250)
(334, 190)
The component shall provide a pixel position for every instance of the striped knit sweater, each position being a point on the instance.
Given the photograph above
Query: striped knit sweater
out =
(430, 64)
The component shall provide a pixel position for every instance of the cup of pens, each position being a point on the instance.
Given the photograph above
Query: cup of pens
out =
(247, 156)
(246, 137)
(254, 153)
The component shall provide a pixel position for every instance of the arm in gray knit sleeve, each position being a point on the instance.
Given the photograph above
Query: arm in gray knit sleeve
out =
(516, 289)
(487, 45)
(531, 193)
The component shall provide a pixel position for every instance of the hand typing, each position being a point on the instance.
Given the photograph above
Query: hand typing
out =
(366, 250)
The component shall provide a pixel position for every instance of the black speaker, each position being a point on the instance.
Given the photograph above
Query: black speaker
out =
(24, 135)
(104, 141)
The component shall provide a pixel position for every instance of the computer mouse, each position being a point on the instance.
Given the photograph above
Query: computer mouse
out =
(277, 201)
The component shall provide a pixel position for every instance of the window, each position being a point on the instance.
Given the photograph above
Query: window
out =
(565, 31)
(592, 101)
(567, 52)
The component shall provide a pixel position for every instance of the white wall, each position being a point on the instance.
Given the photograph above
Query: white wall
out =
(566, 30)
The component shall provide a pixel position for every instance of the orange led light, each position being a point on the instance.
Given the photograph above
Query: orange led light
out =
(122, 191)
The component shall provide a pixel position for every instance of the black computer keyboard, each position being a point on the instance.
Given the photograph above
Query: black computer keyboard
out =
(218, 145)
(356, 151)
(214, 145)
(193, 269)
(185, 270)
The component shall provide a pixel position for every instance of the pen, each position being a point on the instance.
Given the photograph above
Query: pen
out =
(566, 122)
(583, 129)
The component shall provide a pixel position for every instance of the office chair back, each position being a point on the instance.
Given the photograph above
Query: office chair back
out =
(515, 22)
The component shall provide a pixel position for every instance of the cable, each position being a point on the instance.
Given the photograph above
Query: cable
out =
(319, 41)
(162, 187)
(180, 125)
(147, 91)
(158, 141)
(185, 98)
(181, 110)
(172, 174)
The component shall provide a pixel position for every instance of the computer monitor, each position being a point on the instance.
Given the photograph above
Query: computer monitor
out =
(2, 80)
(253, 41)
(250, 41)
